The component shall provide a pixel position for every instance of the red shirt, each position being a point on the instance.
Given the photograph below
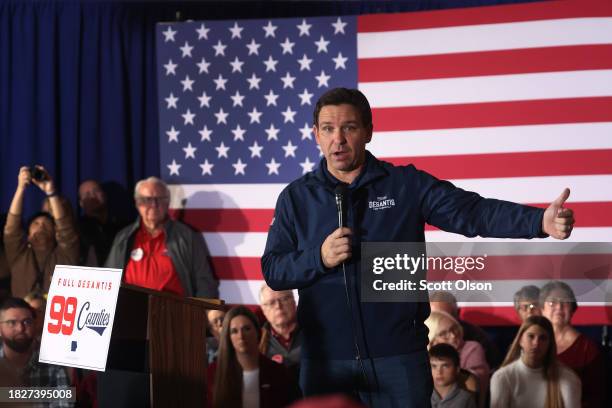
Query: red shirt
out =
(150, 265)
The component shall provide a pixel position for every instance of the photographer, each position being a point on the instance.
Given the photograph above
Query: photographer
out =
(51, 238)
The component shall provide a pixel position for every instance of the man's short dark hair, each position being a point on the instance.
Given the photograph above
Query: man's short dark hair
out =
(16, 303)
(339, 96)
(43, 214)
(445, 351)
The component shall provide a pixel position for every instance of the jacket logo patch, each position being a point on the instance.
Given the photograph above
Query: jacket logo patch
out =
(381, 203)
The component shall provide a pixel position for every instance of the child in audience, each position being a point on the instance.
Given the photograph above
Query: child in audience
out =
(531, 375)
(445, 370)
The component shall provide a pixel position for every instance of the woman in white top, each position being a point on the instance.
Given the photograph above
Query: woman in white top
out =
(531, 375)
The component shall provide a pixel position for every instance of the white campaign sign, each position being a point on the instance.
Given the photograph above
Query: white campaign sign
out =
(79, 316)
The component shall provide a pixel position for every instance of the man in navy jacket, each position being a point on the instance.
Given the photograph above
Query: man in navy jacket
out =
(374, 351)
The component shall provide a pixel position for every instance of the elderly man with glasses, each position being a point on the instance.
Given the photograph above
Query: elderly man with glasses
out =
(159, 253)
(19, 364)
(281, 340)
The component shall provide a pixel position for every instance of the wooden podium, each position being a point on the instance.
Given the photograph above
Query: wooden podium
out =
(157, 355)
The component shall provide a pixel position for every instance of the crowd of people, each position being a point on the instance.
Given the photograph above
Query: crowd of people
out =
(258, 359)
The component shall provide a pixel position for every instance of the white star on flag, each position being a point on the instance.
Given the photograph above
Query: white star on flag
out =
(221, 116)
(273, 166)
(186, 50)
(340, 61)
(236, 30)
(304, 28)
(254, 115)
(305, 63)
(238, 133)
(307, 165)
(237, 99)
(220, 82)
(239, 167)
(255, 150)
(253, 81)
(306, 131)
(323, 79)
(287, 46)
(172, 100)
(202, 32)
(272, 132)
(219, 48)
(288, 81)
(174, 168)
(205, 134)
(204, 100)
(203, 65)
(269, 29)
(289, 114)
(322, 45)
(222, 150)
(170, 68)
(169, 34)
(305, 97)
(207, 168)
(271, 98)
(187, 83)
(190, 151)
(270, 64)
(289, 149)
(188, 117)
(236, 65)
(253, 47)
(339, 26)
(172, 134)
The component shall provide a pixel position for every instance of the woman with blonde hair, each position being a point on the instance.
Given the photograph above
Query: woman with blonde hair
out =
(531, 375)
(244, 377)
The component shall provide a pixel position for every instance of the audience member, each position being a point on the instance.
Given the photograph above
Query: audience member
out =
(527, 302)
(574, 349)
(530, 375)
(281, 339)
(38, 303)
(244, 377)
(445, 371)
(159, 253)
(51, 239)
(446, 302)
(215, 324)
(19, 351)
(444, 328)
(5, 272)
(97, 227)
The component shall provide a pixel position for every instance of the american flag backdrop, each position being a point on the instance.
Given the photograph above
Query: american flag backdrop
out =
(514, 102)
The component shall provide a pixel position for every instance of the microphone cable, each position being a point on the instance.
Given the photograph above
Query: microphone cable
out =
(340, 193)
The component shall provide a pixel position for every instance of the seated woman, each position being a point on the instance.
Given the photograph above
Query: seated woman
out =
(531, 375)
(244, 377)
(575, 350)
(444, 328)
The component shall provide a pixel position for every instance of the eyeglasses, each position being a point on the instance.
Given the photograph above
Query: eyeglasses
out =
(285, 300)
(528, 307)
(13, 323)
(557, 301)
(445, 334)
(152, 201)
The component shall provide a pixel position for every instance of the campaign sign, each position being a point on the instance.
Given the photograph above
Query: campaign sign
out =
(79, 316)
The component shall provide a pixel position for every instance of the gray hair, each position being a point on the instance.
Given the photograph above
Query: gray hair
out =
(529, 292)
(264, 286)
(153, 180)
(568, 293)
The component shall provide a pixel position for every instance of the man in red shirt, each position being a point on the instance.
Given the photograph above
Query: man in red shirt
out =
(159, 253)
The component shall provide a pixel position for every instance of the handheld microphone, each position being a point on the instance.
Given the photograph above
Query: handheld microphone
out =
(340, 193)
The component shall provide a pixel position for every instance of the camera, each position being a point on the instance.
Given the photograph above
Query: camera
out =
(38, 174)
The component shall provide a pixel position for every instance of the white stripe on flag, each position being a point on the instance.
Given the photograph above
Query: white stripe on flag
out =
(485, 37)
(533, 138)
(491, 88)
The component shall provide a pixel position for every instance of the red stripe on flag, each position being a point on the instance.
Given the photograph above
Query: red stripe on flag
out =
(226, 220)
(551, 59)
(525, 164)
(484, 15)
(535, 112)
(505, 267)
(506, 316)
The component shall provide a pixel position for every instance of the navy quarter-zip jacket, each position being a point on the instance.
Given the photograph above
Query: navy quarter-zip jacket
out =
(306, 214)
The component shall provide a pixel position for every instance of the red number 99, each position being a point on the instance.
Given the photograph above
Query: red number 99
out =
(61, 315)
